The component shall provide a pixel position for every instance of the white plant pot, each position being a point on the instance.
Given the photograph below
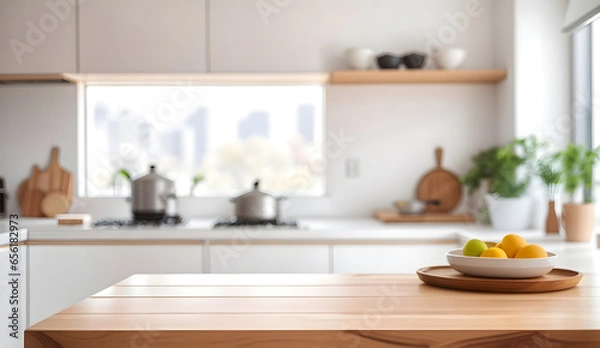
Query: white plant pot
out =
(509, 213)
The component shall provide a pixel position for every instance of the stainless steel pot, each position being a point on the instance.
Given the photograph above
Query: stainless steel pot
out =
(256, 205)
(153, 196)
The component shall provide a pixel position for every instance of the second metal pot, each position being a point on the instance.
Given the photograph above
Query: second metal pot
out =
(256, 205)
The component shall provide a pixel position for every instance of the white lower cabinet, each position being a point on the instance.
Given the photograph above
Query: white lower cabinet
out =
(387, 258)
(230, 258)
(61, 276)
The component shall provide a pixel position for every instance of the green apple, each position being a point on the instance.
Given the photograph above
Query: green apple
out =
(474, 247)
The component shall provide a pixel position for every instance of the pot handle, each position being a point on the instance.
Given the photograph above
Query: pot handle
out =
(165, 198)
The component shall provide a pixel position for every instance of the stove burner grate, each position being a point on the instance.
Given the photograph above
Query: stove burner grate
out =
(120, 223)
(234, 222)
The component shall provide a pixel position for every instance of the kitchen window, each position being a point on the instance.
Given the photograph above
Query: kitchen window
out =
(211, 140)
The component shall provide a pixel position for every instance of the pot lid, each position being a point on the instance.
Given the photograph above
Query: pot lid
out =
(152, 176)
(254, 193)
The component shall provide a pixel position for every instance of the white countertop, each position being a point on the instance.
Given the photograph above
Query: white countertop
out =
(584, 257)
(309, 230)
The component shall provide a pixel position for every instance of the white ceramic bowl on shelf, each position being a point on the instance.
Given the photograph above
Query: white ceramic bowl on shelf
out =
(360, 58)
(500, 268)
(449, 58)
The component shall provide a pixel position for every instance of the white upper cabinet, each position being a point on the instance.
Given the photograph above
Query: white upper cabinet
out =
(37, 36)
(312, 35)
(142, 36)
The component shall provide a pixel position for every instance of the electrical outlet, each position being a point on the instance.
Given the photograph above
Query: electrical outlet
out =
(352, 168)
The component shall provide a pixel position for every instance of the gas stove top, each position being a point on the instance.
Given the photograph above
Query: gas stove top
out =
(234, 222)
(167, 221)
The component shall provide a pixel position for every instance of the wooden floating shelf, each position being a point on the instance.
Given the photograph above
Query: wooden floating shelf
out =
(32, 78)
(212, 79)
(335, 78)
(416, 76)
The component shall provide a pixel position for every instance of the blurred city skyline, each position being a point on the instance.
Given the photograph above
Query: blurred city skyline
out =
(214, 140)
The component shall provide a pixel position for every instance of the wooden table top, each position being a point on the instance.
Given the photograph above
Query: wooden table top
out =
(321, 310)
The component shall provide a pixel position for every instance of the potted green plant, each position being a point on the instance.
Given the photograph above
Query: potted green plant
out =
(578, 215)
(507, 171)
(551, 177)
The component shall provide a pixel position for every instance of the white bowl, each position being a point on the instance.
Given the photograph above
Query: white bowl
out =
(360, 58)
(500, 268)
(449, 58)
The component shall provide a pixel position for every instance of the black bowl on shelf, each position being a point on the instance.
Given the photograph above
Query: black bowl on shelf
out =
(389, 61)
(414, 60)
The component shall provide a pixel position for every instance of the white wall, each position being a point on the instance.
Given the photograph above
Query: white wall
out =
(542, 71)
(504, 58)
(396, 127)
(33, 119)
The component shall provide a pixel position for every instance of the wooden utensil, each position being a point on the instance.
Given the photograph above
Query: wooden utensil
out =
(32, 199)
(55, 203)
(441, 185)
(390, 216)
(446, 277)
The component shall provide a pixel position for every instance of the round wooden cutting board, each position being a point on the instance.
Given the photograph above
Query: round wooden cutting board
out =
(441, 185)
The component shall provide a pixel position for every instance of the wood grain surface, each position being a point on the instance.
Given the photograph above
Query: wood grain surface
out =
(32, 199)
(390, 216)
(54, 203)
(319, 310)
(53, 179)
(441, 185)
(59, 179)
(447, 277)
(416, 76)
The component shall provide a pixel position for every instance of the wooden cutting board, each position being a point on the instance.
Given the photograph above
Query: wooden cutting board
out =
(32, 198)
(390, 216)
(442, 185)
(54, 179)
(55, 203)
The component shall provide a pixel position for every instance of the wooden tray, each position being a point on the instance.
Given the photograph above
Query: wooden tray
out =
(447, 277)
(390, 216)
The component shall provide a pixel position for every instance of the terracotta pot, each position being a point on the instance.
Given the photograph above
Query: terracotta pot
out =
(578, 221)
(551, 219)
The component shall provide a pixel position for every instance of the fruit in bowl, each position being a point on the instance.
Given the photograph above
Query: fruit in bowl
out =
(474, 247)
(513, 257)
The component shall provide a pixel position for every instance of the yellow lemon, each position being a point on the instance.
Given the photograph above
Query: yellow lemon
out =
(531, 251)
(512, 243)
(494, 252)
